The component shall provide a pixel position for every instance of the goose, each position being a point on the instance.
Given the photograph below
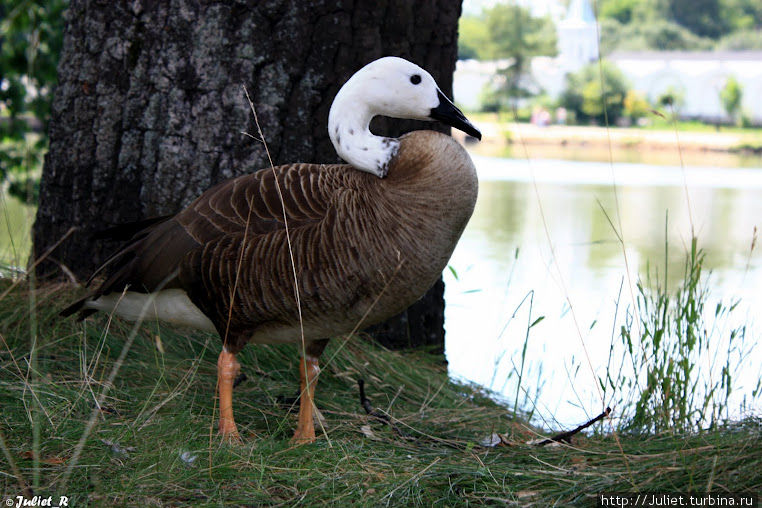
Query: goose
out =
(366, 239)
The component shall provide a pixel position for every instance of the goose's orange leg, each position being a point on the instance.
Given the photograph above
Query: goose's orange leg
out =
(308, 374)
(227, 370)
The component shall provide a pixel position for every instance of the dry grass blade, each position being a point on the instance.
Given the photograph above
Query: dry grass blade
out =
(288, 240)
(285, 221)
(411, 479)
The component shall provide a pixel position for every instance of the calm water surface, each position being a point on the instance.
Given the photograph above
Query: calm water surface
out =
(540, 228)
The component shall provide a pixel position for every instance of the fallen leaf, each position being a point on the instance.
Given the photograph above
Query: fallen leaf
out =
(117, 448)
(159, 345)
(188, 458)
(367, 432)
(319, 418)
(491, 441)
(535, 442)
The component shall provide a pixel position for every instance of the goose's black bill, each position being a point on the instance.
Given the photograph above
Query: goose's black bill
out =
(447, 113)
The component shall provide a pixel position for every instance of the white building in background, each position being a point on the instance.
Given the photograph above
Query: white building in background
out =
(470, 80)
(577, 37)
(577, 46)
(697, 76)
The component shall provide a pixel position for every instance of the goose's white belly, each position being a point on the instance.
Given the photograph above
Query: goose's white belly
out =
(169, 305)
(173, 306)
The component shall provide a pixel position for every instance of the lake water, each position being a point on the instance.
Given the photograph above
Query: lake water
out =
(540, 228)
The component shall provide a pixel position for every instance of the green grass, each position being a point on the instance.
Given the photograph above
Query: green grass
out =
(16, 220)
(685, 357)
(161, 406)
(659, 123)
(656, 123)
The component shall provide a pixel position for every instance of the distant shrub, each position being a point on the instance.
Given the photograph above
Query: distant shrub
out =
(731, 95)
(585, 97)
(636, 105)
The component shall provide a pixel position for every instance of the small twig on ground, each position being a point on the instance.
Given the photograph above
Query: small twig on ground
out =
(375, 413)
(565, 437)
(366, 405)
(418, 437)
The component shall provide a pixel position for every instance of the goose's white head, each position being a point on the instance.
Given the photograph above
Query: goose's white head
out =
(389, 86)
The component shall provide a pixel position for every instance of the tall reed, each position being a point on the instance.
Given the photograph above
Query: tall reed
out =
(679, 357)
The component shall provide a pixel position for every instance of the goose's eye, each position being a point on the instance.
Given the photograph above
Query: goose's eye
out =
(415, 79)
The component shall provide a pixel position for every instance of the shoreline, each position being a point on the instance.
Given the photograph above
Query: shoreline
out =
(497, 135)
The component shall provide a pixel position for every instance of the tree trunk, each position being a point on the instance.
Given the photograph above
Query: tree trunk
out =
(150, 109)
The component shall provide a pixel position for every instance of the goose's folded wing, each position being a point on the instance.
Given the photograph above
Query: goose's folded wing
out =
(255, 200)
(253, 204)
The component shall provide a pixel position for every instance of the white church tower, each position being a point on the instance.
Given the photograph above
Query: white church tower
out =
(577, 37)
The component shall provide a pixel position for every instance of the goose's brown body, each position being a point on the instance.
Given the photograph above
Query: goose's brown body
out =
(364, 248)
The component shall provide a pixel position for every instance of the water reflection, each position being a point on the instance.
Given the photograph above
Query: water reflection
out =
(566, 219)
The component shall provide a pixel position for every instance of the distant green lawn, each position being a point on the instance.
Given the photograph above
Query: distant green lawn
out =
(655, 123)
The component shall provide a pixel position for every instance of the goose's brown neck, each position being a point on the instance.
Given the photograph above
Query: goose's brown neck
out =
(432, 173)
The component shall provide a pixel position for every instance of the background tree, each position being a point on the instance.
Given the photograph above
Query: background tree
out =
(679, 24)
(655, 35)
(473, 39)
(518, 36)
(150, 110)
(701, 17)
(30, 41)
(624, 11)
(742, 40)
(583, 93)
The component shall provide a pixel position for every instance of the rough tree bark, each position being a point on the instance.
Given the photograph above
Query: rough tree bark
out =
(150, 110)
